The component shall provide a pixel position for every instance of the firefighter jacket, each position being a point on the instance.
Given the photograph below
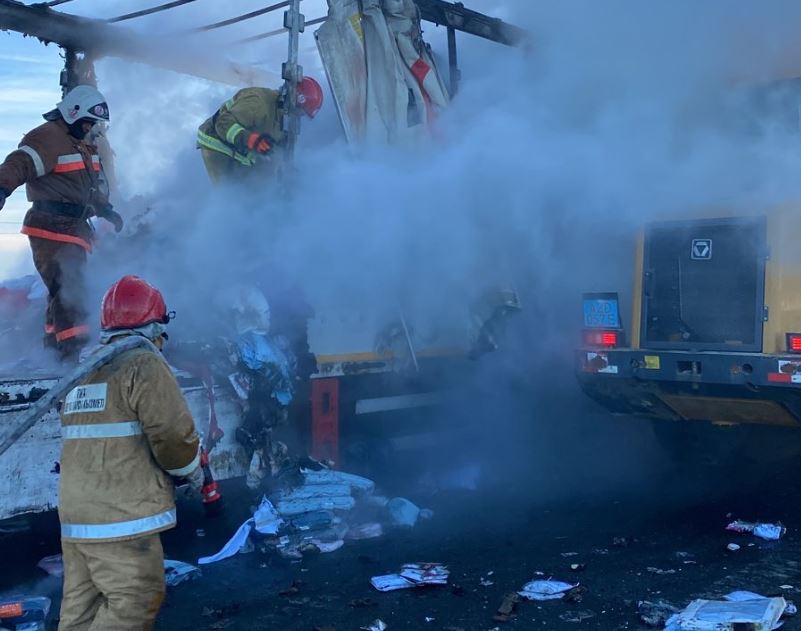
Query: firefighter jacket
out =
(126, 430)
(251, 110)
(63, 179)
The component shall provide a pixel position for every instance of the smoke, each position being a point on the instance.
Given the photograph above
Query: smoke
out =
(539, 175)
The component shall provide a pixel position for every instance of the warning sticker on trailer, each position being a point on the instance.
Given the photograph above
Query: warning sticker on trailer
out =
(787, 367)
(599, 362)
(89, 398)
(652, 362)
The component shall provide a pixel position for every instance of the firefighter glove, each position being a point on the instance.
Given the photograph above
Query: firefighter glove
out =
(111, 215)
(195, 480)
(260, 143)
(3, 196)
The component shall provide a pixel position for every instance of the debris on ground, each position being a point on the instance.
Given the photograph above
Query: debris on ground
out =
(376, 625)
(655, 613)
(766, 531)
(265, 520)
(575, 595)
(293, 589)
(732, 547)
(577, 616)
(25, 612)
(622, 542)
(370, 530)
(507, 608)
(789, 610)
(403, 512)
(362, 603)
(53, 565)
(226, 611)
(412, 575)
(760, 614)
(659, 571)
(177, 572)
(578, 567)
(315, 510)
(546, 590)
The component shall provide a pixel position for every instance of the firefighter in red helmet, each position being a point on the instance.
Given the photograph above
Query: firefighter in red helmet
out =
(128, 434)
(248, 129)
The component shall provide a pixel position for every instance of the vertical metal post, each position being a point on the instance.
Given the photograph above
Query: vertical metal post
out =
(453, 62)
(68, 78)
(79, 69)
(292, 73)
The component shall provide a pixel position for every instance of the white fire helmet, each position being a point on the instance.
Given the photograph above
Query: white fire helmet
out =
(83, 101)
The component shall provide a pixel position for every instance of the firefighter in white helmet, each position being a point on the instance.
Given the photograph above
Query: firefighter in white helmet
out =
(64, 181)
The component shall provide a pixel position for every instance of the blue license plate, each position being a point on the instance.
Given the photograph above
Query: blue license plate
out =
(601, 311)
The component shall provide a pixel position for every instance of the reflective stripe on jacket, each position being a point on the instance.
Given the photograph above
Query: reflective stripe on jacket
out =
(126, 429)
(251, 110)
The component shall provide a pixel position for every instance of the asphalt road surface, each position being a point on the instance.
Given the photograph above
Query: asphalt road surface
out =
(496, 536)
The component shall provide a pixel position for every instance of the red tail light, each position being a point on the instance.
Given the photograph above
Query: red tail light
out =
(794, 342)
(604, 339)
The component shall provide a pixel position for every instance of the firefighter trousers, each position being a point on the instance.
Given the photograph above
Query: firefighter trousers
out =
(112, 586)
(61, 266)
(218, 166)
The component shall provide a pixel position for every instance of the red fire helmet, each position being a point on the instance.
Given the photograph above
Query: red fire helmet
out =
(310, 96)
(130, 303)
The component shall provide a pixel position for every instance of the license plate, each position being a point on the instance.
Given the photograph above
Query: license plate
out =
(601, 311)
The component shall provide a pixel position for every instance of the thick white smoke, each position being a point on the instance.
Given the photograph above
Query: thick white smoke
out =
(612, 115)
(548, 161)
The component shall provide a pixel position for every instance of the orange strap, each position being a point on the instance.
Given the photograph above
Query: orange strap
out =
(76, 331)
(56, 236)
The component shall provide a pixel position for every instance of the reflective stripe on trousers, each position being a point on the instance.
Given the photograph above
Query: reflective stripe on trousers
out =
(119, 529)
(101, 430)
(209, 142)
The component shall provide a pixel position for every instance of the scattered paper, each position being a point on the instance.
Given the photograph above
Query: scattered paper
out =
(769, 532)
(177, 572)
(713, 615)
(412, 575)
(546, 590)
(233, 546)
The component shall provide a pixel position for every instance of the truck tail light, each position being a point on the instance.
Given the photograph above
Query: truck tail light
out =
(794, 342)
(601, 338)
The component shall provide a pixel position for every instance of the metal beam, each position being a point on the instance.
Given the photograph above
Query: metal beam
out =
(453, 61)
(455, 16)
(99, 39)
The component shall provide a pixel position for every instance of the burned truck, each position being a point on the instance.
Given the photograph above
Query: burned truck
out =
(356, 366)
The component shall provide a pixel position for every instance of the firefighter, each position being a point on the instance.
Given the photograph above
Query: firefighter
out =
(65, 184)
(127, 435)
(249, 129)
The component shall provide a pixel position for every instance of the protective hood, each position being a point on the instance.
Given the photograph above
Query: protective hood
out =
(151, 331)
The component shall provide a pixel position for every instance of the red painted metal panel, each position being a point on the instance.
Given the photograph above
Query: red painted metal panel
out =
(325, 419)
